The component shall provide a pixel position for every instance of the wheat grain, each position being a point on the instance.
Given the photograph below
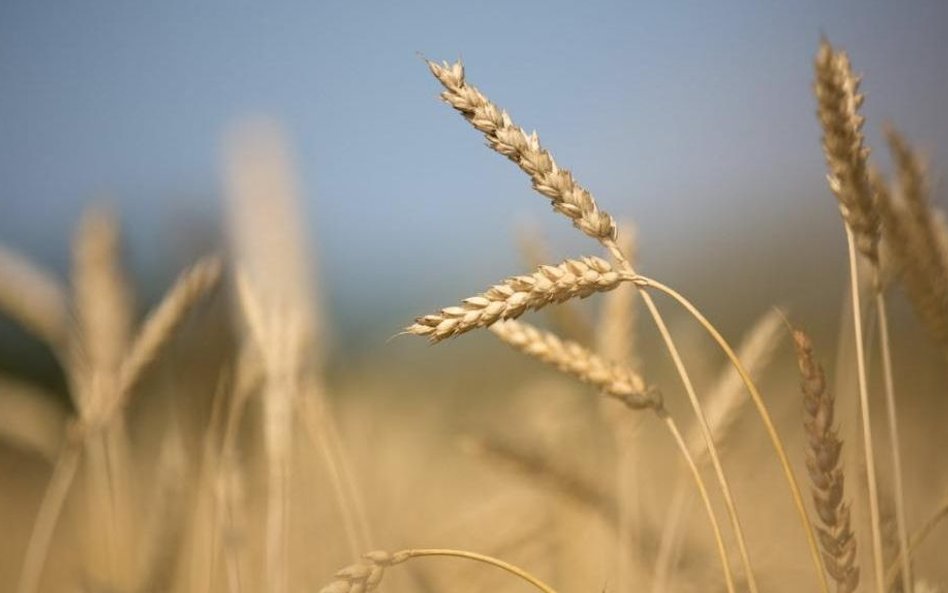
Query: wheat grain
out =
(567, 319)
(825, 469)
(839, 100)
(567, 196)
(574, 278)
(569, 357)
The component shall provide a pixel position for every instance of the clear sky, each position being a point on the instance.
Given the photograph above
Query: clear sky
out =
(694, 118)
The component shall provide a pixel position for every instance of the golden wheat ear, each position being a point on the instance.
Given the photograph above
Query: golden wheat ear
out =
(574, 278)
(825, 468)
(565, 194)
(838, 103)
(912, 230)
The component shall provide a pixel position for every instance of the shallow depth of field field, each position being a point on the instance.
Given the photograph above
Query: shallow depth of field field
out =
(295, 299)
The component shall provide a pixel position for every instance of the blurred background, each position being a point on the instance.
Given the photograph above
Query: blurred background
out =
(693, 122)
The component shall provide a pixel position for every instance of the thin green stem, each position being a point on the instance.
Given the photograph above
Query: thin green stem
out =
(764, 415)
(626, 267)
(894, 438)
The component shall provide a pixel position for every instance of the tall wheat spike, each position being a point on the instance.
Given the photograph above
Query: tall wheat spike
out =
(285, 329)
(839, 100)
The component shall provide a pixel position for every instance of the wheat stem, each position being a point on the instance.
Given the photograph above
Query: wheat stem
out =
(918, 538)
(702, 489)
(878, 566)
(365, 576)
(506, 566)
(764, 415)
(54, 499)
(699, 413)
(894, 438)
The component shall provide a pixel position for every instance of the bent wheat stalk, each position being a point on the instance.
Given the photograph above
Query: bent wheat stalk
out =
(365, 576)
(762, 411)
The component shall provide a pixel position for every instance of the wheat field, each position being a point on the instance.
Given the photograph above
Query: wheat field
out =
(595, 430)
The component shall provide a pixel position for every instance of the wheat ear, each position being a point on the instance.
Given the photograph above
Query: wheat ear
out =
(188, 290)
(577, 203)
(519, 294)
(825, 469)
(912, 228)
(612, 379)
(34, 298)
(567, 196)
(568, 320)
(365, 576)
(724, 404)
(102, 301)
(838, 98)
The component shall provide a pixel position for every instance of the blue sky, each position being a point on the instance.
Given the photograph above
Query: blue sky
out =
(695, 118)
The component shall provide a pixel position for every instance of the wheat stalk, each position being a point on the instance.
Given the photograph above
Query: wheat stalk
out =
(825, 468)
(518, 294)
(615, 340)
(723, 409)
(365, 576)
